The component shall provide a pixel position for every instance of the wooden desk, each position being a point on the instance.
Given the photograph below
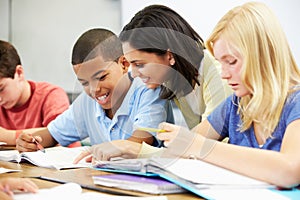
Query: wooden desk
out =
(81, 176)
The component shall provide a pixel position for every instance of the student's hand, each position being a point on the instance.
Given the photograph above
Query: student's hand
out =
(8, 185)
(177, 140)
(25, 142)
(4, 196)
(109, 150)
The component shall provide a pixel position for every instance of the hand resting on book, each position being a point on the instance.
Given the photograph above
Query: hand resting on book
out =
(108, 150)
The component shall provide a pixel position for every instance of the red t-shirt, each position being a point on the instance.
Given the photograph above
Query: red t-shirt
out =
(46, 102)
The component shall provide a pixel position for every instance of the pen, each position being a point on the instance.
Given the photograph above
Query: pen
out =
(39, 146)
(151, 129)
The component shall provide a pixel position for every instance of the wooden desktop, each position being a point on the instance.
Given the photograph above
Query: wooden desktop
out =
(82, 176)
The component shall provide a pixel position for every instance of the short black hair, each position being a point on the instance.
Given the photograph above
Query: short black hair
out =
(97, 42)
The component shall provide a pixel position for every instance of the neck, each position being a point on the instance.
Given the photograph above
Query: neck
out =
(119, 94)
(25, 94)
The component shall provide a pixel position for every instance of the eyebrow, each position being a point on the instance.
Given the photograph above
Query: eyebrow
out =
(93, 76)
(133, 61)
(97, 73)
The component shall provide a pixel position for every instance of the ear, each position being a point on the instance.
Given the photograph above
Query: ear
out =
(124, 63)
(19, 72)
(171, 58)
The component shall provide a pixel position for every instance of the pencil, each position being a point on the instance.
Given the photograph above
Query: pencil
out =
(151, 129)
(39, 146)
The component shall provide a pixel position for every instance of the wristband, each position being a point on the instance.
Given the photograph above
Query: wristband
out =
(18, 132)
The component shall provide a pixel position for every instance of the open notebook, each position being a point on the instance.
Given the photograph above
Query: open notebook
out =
(54, 157)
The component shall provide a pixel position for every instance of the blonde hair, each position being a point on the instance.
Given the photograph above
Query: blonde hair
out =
(269, 69)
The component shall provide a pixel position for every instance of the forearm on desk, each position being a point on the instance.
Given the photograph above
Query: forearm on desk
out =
(141, 136)
(8, 136)
(47, 139)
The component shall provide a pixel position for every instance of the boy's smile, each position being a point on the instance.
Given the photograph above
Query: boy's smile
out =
(99, 79)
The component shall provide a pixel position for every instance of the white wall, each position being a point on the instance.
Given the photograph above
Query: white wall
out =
(4, 20)
(44, 32)
(204, 14)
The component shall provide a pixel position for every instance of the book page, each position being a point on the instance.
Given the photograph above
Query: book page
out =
(56, 157)
(65, 191)
(7, 170)
(10, 155)
(199, 172)
(237, 194)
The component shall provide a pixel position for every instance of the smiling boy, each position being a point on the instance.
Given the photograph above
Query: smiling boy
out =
(113, 105)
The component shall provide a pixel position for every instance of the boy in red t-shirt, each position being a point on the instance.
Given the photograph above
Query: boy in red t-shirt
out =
(24, 104)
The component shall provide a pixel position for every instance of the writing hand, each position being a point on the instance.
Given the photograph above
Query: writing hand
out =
(26, 142)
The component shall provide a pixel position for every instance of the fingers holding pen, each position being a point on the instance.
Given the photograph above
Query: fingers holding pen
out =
(27, 142)
(171, 132)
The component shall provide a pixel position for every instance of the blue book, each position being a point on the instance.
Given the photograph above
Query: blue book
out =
(152, 185)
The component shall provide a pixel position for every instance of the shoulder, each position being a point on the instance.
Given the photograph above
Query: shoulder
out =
(209, 63)
(46, 87)
(291, 109)
(293, 101)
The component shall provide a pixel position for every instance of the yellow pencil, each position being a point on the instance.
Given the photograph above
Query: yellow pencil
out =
(151, 129)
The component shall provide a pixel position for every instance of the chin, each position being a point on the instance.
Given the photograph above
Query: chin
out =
(152, 86)
(105, 107)
(241, 94)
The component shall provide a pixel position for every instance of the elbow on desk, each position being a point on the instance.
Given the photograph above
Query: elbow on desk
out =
(288, 177)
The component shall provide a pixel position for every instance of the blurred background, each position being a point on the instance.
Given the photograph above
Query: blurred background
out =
(44, 31)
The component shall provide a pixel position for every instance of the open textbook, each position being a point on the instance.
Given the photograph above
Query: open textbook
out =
(54, 157)
(193, 175)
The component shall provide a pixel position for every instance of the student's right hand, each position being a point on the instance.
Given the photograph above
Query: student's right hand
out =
(113, 149)
(25, 142)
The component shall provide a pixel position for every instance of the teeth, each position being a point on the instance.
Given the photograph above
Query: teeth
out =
(102, 98)
(145, 79)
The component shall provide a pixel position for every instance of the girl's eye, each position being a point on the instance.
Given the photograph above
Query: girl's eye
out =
(139, 65)
(232, 62)
(84, 84)
(101, 77)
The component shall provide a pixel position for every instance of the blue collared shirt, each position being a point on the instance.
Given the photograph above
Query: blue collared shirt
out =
(141, 107)
(225, 120)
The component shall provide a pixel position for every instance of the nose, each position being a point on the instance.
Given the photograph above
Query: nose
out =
(225, 74)
(135, 72)
(94, 87)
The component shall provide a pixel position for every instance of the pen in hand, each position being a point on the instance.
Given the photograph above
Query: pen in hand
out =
(151, 129)
(39, 146)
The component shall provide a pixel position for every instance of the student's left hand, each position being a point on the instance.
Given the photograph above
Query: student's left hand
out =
(8, 185)
(109, 150)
